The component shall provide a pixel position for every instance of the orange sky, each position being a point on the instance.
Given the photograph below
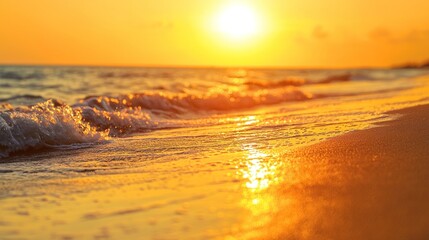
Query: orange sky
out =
(296, 33)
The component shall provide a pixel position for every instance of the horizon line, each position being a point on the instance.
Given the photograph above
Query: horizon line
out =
(160, 66)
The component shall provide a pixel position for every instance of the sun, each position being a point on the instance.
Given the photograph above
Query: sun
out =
(237, 21)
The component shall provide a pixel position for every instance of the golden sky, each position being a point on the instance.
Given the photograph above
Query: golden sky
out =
(291, 33)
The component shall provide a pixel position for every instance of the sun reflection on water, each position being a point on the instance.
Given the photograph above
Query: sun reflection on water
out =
(260, 171)
(255, 171)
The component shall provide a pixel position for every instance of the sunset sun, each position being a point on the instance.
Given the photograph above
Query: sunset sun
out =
(237, 21)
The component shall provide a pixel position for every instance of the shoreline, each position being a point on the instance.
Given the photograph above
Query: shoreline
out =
(366, 184)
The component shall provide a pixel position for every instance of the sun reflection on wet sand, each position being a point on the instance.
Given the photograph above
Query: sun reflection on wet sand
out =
(256, 171)
(260, 171)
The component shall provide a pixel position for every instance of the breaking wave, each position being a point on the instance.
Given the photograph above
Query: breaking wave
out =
(185, 102)
(96, 118)
(43, 125)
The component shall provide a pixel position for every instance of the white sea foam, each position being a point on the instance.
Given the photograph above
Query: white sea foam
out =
(42, 125)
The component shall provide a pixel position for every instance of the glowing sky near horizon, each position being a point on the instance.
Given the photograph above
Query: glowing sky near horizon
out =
(276, 33)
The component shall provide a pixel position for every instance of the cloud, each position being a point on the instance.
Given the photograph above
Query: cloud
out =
(380, 33)
(316, 34)
(320, 33)
(416, 35)
(384, 34)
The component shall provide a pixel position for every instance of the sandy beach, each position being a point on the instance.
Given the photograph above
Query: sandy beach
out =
(368, 184)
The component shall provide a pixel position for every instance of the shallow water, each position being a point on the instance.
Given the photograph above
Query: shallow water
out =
(175, 152)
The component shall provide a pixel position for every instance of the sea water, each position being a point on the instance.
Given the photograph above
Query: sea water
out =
(196, 132)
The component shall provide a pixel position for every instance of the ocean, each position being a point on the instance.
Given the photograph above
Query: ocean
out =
(57, 107)
(172, 137)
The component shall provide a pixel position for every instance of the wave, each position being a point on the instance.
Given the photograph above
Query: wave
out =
(15, 75)
(29, 96)
(298, 81)
(124, 74)
(182, 103)
(292, 81)
(97, 118)
(337, 78)
(43, 125)
(331, 78)
(143, 111)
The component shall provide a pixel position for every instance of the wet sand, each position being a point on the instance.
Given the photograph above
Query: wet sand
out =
(368, 184)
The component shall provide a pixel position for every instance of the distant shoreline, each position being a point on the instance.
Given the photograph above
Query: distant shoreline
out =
(423, 65)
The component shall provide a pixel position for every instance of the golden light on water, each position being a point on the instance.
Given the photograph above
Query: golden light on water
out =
(248, 121)
(260, 173)
(260, 169)
(238, 21)
(256, 172)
